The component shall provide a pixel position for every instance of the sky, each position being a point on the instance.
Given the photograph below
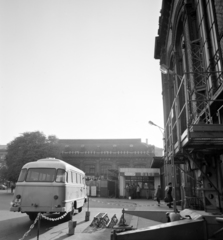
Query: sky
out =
(80, 69)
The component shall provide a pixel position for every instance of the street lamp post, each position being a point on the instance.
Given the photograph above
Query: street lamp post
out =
(161, 130)
(165, 70)
(172, 165)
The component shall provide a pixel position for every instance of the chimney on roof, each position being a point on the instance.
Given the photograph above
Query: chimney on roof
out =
(146, 141)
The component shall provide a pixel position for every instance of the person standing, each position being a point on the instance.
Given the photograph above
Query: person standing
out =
(12, 186)
(127, 191)
(146, 190)
(134, 190)
(138, 191)
(130, 191)
(158, 195)
(168, 190)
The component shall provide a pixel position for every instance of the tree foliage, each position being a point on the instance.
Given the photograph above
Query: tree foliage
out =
(29, 147)
(3, 173)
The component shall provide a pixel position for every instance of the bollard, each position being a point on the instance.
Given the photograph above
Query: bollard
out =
(87, 216)
(71, 227)
(38, 229)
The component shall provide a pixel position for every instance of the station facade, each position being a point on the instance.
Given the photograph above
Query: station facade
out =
(102, 159)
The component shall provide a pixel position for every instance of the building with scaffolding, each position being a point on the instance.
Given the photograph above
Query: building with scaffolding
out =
(189, 46)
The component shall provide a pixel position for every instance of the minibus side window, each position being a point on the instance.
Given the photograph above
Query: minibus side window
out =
(60, 175)
(22, 175)
(66, 176)
(74, 177)
(69, 177)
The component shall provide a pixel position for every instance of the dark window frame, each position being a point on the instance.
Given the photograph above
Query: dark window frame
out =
(24, 176)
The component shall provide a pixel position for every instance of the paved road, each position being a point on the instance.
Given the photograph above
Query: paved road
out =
(14, 225)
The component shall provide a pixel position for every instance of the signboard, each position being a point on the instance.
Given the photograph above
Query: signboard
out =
(129, 174)
(139, 178)
(93, 191)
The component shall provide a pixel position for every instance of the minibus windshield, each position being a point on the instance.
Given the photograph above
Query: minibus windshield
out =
(22, 175)
(41, 175)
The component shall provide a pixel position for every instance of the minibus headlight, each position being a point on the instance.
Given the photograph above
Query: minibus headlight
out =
(56, 197)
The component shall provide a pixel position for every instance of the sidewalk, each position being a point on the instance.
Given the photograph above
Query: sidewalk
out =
(146, 208)
(84, 232)
(150, 210)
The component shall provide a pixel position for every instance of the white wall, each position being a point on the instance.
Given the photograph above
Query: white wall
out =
(143, 171)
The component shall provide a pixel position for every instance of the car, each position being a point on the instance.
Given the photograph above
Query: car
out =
(3, 187)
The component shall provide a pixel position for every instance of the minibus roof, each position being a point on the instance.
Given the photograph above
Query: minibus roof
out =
(51, 163)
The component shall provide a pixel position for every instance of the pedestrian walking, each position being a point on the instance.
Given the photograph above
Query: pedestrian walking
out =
(127, 191)
(169, 197)
(130, 191)
(158, 195)
(134, 191)
(138, 191)
(12, 186)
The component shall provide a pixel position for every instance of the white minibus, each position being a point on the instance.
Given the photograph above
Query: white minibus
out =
(49, 186)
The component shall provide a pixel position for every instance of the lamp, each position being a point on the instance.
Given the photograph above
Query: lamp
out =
(165, 70)
(161, 130)
(152, 123)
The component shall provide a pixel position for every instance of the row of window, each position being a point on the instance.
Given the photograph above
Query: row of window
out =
(50, 175)
(104, 168)
(74, 177)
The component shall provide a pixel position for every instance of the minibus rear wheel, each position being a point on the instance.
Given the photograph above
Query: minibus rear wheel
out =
(32, 216)
(79, 209)
(70, 215)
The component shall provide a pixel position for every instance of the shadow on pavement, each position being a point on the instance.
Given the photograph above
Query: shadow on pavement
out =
(19, 226)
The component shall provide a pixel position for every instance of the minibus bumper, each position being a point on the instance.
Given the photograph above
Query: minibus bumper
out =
(42, 209)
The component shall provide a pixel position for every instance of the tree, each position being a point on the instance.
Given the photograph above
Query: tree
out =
(29, 147)
(3, 173)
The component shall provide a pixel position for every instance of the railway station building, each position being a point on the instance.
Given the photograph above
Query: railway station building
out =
(109, 164)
